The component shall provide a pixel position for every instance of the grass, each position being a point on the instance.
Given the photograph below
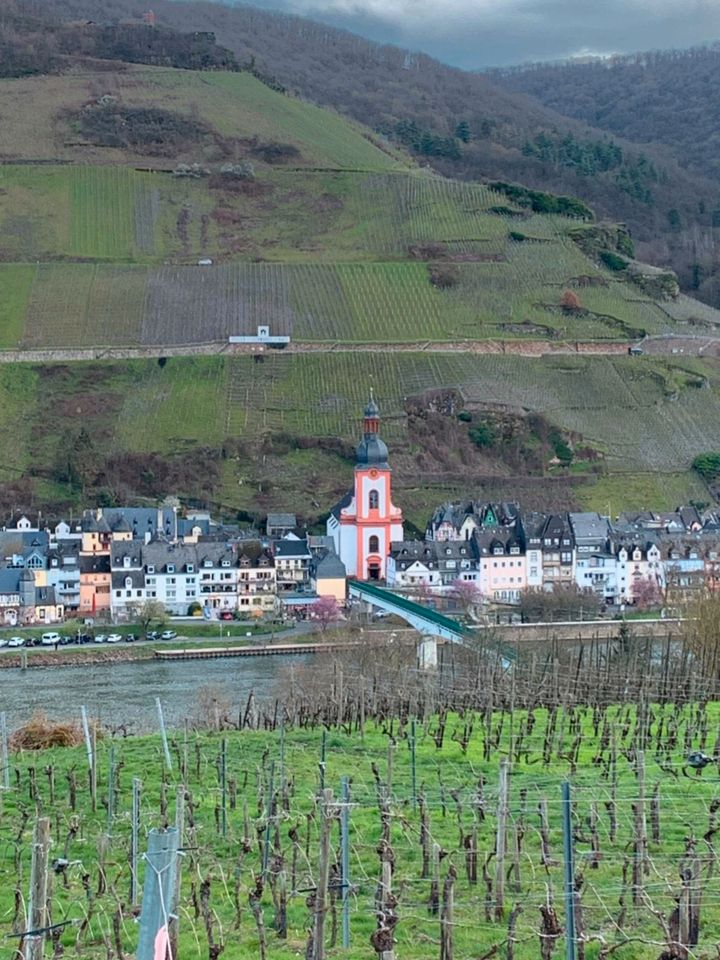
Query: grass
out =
(234, 105)
(642, 491)
(447, 776)
(16, 283)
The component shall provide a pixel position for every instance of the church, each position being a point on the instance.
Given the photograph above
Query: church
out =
(365, 522)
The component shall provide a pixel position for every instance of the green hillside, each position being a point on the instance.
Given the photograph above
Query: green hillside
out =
(40, 118)
(328, 235)
(255, 436)
(321, 255)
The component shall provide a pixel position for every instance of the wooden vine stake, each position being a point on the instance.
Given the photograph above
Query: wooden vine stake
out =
(500, 842)
(383, 938)
(447, 915)
(321, 892)
(37, 914)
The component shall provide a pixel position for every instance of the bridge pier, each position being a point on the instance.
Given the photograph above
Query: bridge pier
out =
(427, 653)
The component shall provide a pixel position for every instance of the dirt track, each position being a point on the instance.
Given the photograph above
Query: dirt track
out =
(654, 346)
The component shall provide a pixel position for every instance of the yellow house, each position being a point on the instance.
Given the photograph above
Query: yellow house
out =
(331, 578)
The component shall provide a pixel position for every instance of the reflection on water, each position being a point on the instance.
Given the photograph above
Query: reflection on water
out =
(124, 693)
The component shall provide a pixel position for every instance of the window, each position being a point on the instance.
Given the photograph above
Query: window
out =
(171, 568)
(151, 568)
(128, 582)
(373, 500)
(190, 569)
(373, 544)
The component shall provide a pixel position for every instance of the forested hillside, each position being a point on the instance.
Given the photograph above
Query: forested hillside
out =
(667, 97)
(463, 124)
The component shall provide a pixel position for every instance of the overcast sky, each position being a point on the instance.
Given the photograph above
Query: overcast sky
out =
(480, 33)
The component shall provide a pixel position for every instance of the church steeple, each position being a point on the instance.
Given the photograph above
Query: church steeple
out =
(372, 416)
(366, 522)
(371, 450)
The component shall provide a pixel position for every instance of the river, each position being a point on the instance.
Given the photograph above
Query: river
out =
(124, 693)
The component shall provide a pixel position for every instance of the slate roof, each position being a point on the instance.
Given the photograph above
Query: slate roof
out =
(98, 564)
(137, 578)
(330, 567)
(10, 580)
(341, 504)
(286, 520)
(291, 548)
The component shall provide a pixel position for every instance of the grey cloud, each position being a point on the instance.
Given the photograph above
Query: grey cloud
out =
(479, 33)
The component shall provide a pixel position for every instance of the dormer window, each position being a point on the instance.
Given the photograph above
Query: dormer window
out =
(151, 568)
(226, 563)
(171, 568)
(207, 563)
(126, 562)
(191, 568)
(128, 583)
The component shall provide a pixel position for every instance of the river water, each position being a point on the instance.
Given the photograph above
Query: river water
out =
(124, 693)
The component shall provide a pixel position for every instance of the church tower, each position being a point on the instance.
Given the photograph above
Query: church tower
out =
(365, 522)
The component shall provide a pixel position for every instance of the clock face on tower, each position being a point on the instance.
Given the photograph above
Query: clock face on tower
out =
(373, 473)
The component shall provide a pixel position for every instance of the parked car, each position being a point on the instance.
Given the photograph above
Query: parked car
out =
(83, 638)
(50, 639)
(168, 635)
(99, 638)
(130, 637)
(226, 615)
(113, 638)
(152, 635)
(16, 642)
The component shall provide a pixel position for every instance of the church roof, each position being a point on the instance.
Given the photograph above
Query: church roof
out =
(371, 451)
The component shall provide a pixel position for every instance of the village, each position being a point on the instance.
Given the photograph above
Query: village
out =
(113, 561)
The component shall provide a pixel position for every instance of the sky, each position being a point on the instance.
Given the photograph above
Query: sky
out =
(474, 34)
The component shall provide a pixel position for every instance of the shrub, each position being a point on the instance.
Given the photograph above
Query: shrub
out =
(570, 302)
(276, 152)
(482, 435)
(147, 129)
(444, 275)
(517, 236)
(613, 261)
(465, 416)
(707, 465)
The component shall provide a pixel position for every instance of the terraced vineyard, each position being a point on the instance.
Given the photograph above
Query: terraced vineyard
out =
(342, 242)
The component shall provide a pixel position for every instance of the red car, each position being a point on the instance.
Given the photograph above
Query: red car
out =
(226, 615)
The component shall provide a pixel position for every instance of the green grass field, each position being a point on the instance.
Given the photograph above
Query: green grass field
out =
(460, 791)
